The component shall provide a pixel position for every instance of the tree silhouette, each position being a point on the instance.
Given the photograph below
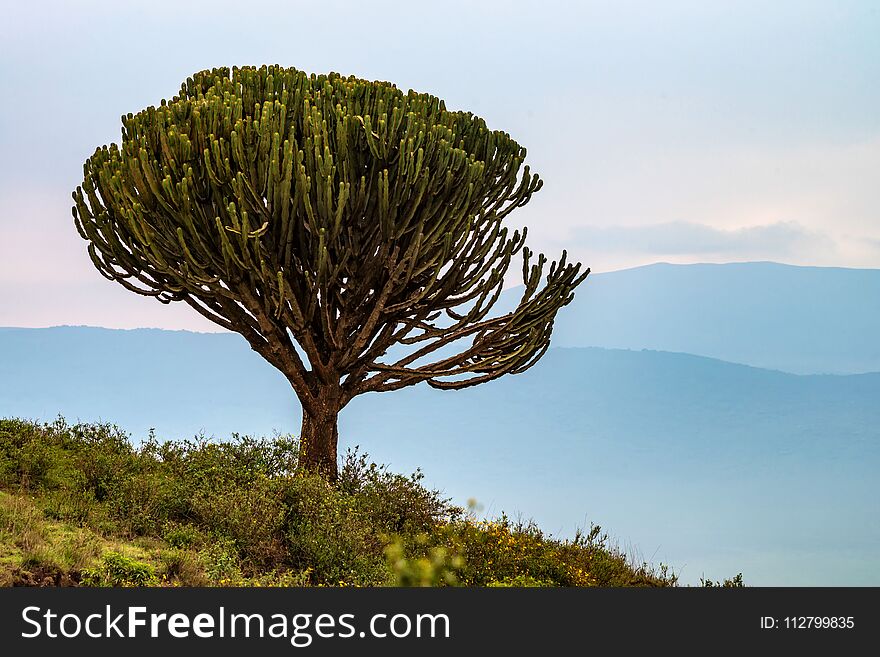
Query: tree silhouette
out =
(352, 233)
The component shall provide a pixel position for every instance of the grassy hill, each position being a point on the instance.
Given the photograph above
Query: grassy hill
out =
(81, 505)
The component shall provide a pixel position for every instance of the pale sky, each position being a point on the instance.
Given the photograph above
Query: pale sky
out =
(674, 131)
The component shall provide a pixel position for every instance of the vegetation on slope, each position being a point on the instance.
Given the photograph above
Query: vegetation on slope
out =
(81, 505)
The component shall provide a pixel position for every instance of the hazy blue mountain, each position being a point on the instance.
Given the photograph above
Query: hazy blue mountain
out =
(804, 320)
(176, 381)
(709, 466)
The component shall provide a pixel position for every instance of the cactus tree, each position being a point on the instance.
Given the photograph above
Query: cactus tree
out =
(352, 233)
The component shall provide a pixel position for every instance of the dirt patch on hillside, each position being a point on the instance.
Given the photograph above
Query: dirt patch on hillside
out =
(44, 576)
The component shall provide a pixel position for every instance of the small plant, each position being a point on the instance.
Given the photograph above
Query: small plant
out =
(221, 562)
(183, 568)
(116, 569)
(520, 581)
(735, 582)
(181, 536)
(437, 568)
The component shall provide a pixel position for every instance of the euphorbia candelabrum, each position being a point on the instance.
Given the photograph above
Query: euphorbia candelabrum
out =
(352, 233)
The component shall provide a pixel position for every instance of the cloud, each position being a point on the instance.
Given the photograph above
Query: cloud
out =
(776, 240)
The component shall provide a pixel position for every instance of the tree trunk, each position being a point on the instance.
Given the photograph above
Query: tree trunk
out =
(317, 448)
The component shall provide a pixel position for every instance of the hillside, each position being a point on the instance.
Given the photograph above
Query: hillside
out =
(80, 505)
(711, 466)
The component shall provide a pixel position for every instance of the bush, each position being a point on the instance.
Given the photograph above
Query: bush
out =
(520, 581)
(436, 568)
(119, 570)
(330, 536)
(393, 503)
(735, 582)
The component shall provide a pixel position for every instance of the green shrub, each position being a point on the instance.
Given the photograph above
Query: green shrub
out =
(735, 582)
(182, 536)
(221, 562)
(329, 536)
(393, 503)
(520, 581)
(436, 568)
(183, 568)
(116, 569)
(252, 517)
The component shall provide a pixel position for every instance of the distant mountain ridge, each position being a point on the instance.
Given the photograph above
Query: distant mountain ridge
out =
(126, 374)
(804, 320)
